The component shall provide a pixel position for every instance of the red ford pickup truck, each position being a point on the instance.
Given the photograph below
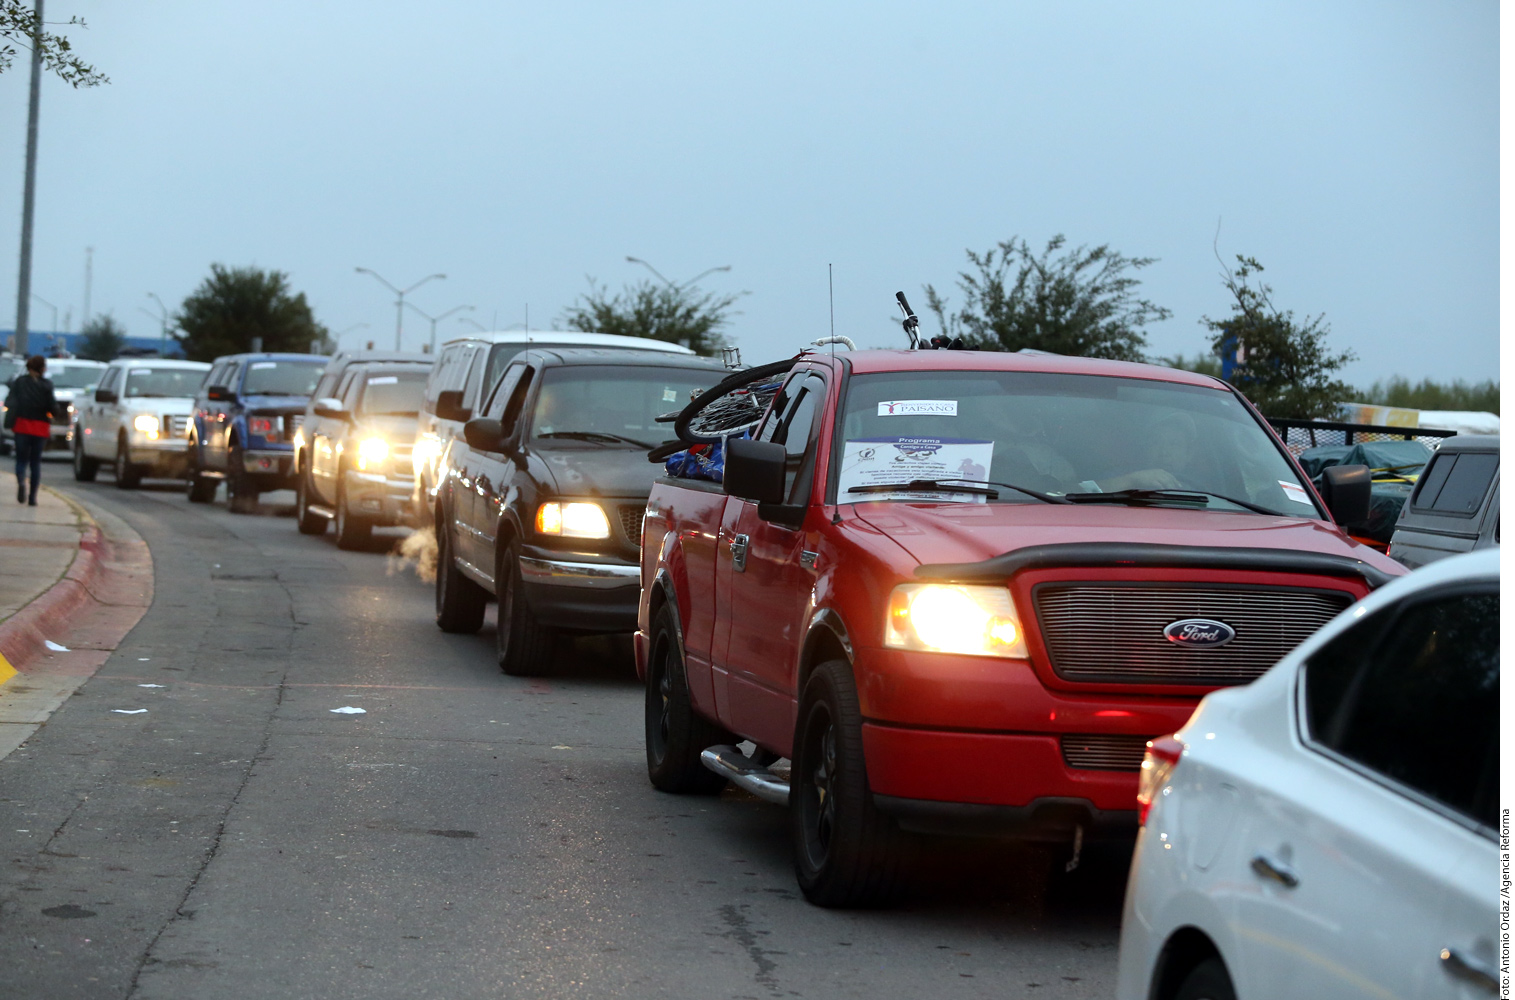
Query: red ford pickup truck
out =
(961, 590)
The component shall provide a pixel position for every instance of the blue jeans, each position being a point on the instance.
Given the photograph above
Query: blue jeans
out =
(29, 452)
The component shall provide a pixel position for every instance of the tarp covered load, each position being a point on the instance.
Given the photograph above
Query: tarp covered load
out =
(1395, 464)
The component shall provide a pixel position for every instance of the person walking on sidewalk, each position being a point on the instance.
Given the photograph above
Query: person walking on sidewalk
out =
(30, 408)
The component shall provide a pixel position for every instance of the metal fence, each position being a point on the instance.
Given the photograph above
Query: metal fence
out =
(1301, 434)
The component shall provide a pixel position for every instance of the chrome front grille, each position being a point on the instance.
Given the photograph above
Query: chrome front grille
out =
(292, 422)
(631, 522)
(1104, 751)
(177, 424)
(1114, 634)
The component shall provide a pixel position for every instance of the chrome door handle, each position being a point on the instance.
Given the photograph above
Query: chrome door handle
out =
(1277, 871)
(1457, 963)
(738, 545)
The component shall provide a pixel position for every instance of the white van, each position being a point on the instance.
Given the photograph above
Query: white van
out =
(467, 368)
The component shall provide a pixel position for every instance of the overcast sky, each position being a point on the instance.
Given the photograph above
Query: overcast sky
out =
(519, 148)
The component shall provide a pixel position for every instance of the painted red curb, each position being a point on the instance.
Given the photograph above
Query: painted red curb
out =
(23, 635)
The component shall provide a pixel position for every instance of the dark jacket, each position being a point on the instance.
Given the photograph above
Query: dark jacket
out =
(31, 399)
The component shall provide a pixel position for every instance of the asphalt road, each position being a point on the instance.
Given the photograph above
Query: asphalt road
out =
(469, 835)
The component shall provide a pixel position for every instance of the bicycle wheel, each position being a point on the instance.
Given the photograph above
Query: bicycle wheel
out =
(736, 403)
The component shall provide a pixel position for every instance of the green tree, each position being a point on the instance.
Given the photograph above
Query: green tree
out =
(103, 338)
(1080, 302)
(1285, 367)
(19, 26)
(674, 313)
(1428, 395)
(236, 304)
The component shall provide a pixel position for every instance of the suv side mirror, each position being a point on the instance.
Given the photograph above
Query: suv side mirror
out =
(755, 470)
(106, 396)
(1346, 490)
(450, 405)
(329, 407)
(483, 434)
(220, 394)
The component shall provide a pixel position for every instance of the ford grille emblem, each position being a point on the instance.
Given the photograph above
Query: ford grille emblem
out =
(1199, 633)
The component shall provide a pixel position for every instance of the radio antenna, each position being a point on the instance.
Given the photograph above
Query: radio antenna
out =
(831, 298)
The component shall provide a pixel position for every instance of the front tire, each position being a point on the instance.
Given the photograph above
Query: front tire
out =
(199, 488)
(460, 601)
(846, 852)
(84, 466)
(523, 646)
(308, 522)
(241, 494)
(353, 532)
(1208, 981)
(675, 732)
(128, 476)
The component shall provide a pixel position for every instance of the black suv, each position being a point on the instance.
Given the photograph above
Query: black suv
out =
(540, 505)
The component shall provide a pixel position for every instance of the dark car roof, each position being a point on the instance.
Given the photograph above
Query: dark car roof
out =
(616, 356)
(269, 356)
(424, 366)
(1470, 442)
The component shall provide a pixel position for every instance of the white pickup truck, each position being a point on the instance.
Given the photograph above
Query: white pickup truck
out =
(138, 419)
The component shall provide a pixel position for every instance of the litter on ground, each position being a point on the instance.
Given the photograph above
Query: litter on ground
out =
(349, 710)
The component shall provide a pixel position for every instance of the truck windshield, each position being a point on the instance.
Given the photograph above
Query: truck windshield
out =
(1063, 435)
(282, 378)
(393, 395)
(163, 381)
(605, 406)
(73, 376)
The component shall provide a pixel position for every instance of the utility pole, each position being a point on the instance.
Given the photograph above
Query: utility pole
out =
(162, 317)
(89, 276)
(29, 192)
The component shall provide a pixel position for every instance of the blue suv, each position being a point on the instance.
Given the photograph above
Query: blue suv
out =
(244, 423)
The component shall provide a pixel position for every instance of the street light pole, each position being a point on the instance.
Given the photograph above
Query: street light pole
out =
(400, 297)
(677, 287)
(162, 317)
(432, 349)
(29, 191)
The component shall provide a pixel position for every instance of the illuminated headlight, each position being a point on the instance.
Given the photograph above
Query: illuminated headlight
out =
(947, 618)
(147, 424)
(372, 452)
(573, 520)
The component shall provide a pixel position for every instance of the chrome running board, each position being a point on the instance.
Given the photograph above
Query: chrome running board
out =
(742, 771)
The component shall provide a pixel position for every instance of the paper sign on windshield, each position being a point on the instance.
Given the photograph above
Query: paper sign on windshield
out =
(918, 408)
(1295, 492)
(384, 380)
(257, 365)
(884, 461)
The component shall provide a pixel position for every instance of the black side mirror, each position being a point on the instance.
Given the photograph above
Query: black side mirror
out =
(106, 396)
(450, 406)
(1347, 490)
(483, 434)
(755, 470)
(220, 394)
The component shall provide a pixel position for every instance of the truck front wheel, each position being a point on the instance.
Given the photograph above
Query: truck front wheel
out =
(675, 733)
(523, 646)
(846, 853)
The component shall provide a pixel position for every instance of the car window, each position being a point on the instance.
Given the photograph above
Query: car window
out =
(441, 376)
(391, 393)
(1413, 695)
(324, 387)
(503, 391)
(1456, 483)
(348, 387)
(217, 375)
(472, 378)
(162, 382)
(792, 422)
(614, 405)
(282, 378)
(108, 383)
(74, 376)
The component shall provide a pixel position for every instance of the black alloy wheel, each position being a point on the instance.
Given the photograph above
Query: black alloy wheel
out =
(353, 530)
(84, 466)
(128, 476)
(306, 521)
(676, 734)
(241, 494)
(523, 646)
(460, 601)
(846, 853)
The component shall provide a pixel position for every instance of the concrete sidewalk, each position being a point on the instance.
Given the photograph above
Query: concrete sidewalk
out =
(37, 547)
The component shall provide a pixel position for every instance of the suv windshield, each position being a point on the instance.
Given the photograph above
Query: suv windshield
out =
(282, 378)
(73, 377)
(1061, 434)
(395, 395)
(603, 405)
(163, 381)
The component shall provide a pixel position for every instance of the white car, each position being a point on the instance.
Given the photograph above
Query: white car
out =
(137, 420)
(1329, 831)
(73, 380)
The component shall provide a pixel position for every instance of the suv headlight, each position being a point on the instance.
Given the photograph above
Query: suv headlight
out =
(146, 423)
(372, 452)
(573, 520)
(952, 618)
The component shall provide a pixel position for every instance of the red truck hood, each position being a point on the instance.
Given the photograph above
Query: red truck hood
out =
(966, 533)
